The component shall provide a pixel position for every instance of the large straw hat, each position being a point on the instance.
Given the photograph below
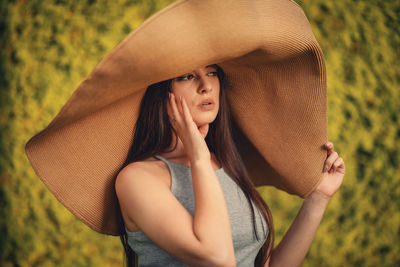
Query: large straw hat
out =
(275, 83)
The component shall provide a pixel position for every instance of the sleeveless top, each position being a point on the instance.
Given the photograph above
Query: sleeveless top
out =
(246, 246)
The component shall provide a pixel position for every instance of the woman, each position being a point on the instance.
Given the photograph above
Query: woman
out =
(176, 129)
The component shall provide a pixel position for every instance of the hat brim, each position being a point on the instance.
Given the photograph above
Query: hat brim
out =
(275, 83)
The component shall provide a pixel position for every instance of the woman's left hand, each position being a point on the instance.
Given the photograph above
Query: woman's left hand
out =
(333, 173)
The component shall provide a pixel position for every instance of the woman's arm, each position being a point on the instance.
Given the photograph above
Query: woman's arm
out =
(147, 201)
(211, 223)
(294, 246)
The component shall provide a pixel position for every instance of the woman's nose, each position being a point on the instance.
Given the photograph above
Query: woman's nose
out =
(205, 90)
(205, 86)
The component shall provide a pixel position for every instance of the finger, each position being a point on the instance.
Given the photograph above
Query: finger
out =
(329, 161)
(179, 105)
(338, 164)
(186, 112)
(175, 112)
(329, 147)
(169, 108)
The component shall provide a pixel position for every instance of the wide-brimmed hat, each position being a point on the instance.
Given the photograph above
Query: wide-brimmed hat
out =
(275, 82)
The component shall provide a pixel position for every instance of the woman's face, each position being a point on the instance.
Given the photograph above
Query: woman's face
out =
(196, 87)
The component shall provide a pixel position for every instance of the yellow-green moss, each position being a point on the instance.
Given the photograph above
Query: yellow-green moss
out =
(49, 47)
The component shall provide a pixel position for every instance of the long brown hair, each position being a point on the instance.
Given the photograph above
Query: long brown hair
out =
(153, 136)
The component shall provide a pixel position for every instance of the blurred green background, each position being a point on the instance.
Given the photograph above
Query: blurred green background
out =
(49, 47)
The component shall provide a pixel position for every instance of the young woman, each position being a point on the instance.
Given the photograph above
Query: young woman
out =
(184, 192)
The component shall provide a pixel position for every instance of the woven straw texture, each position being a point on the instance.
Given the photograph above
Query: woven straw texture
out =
(276, 86)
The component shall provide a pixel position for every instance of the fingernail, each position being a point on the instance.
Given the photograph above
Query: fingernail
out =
(325, 168)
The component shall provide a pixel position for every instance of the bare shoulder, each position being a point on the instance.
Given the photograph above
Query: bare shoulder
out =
(145, 169)
(132, 181)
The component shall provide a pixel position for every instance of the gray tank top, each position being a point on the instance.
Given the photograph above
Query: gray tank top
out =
(245, 243)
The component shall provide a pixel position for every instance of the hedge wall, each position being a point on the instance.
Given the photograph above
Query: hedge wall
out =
(49, 47)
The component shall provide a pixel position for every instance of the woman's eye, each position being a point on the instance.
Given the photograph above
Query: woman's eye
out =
(214, 73)
(183, 78)
(189, 76)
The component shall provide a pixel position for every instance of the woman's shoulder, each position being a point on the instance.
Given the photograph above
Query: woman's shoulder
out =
(146, 168)
(134, 179)
(147, 164)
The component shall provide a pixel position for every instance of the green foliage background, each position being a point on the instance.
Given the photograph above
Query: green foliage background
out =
(49, 47)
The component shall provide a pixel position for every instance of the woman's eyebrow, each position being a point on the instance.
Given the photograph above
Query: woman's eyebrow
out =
(209, 66)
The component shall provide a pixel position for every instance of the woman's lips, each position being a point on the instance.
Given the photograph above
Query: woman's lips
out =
(207, 107)
(207, 104)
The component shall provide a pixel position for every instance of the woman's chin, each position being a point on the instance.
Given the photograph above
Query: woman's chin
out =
(204, 121)
(204, 118)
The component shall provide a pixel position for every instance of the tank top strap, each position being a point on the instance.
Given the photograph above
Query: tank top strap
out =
(169, 164)
(172, 164)
(161, 158)
(177, 170)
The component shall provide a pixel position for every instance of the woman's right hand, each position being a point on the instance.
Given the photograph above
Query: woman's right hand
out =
(187, 130)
